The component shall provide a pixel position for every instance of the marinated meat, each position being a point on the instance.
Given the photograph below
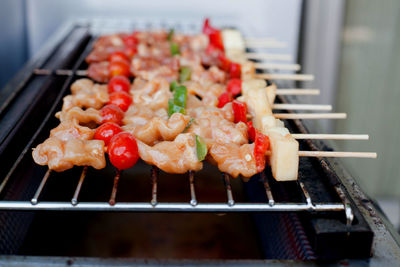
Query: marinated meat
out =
(154, 94)
(86, 94)
(178, 156)
(209, 94)
(234, 159)
(82, 116)
(61, 155)
(150, 68)
(158, 129)
(208, 77)
(98, 71)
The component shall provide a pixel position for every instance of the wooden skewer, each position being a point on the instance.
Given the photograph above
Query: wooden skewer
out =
(265, 44)
(283, 76)
(334, 154)
(332, 136)
(302, 107)
(310, 115)
(256, 39)
(276, 66)
(338, 154)
(267, 56)
(297, 91)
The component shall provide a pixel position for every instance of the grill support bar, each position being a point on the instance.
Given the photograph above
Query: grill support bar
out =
(170, 207)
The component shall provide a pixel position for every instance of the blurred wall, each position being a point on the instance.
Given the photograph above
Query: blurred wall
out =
(13, 52)
(369, 91)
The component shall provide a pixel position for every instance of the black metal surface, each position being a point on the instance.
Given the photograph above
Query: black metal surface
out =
(299, 236)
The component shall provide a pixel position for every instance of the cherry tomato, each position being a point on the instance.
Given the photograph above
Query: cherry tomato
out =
(239, 111)
(131, 41)
(112, 113)
(123, 151)
(234, 86)
(121, 99)
(224, 99)
(130, 51)
(118, 56)
(119, 68)
(118, 84)
(235, 71)
(106, 131)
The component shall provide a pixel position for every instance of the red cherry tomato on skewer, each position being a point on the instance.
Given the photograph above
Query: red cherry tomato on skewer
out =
(123, 151)
(131, 40)
(118, 56)
(119, 68)
(118, 84)
(130, 51)
(121, 99)
(234, 86)
(112, 113)
(106, 131)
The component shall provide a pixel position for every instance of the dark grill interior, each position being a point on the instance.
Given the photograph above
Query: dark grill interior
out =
(320, 230)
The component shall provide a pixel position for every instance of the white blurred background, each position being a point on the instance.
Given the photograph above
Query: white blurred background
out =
(352, 47)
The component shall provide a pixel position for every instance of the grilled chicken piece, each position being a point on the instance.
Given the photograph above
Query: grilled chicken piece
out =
(150, 68)
(154, 94)
(208, 77)
(158, 129)
(209, 94)
(86, 94)
(178, 156)
(98, 71)
(140, 115)
(234, 159)
(61, 155)
(82, 116)
(70, 144)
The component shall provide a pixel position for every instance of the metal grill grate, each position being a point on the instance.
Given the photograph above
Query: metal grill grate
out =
(153, 205)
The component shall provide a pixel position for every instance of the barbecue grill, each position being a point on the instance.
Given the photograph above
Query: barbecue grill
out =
(49, 216)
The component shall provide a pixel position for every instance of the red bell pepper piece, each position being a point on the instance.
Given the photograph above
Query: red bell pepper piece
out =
(239, 111)
(251, 131)
(224, 99)
(213, 34)
(261, 145)
(234, 86)
(235, 70)
(224, 63)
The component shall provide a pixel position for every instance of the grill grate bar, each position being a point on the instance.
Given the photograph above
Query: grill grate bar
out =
(154, 177)
(268, 191)
(115, 188)
(74, 199)
(306, 194)
(227, 182)
(193, 200)
(35, 198)
(347, 206)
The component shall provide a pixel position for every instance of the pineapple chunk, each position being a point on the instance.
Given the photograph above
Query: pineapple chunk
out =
(233, 40)
(248, 70)
(252, 84)
(258, 106)
(284, 159)
(271, 93)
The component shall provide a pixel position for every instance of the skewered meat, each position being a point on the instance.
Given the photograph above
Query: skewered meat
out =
(99, 72)
(154, 94)
(150, 68)
(86, 94)
(158, 129)
(82, 116)
(71, 129)
(209, 94)
(211, 124)
(234, 159)
(208, 77)
(61, 155)
(140, 115)
(178, 156)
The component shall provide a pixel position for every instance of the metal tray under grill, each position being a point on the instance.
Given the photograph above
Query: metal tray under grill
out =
(28, 105)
